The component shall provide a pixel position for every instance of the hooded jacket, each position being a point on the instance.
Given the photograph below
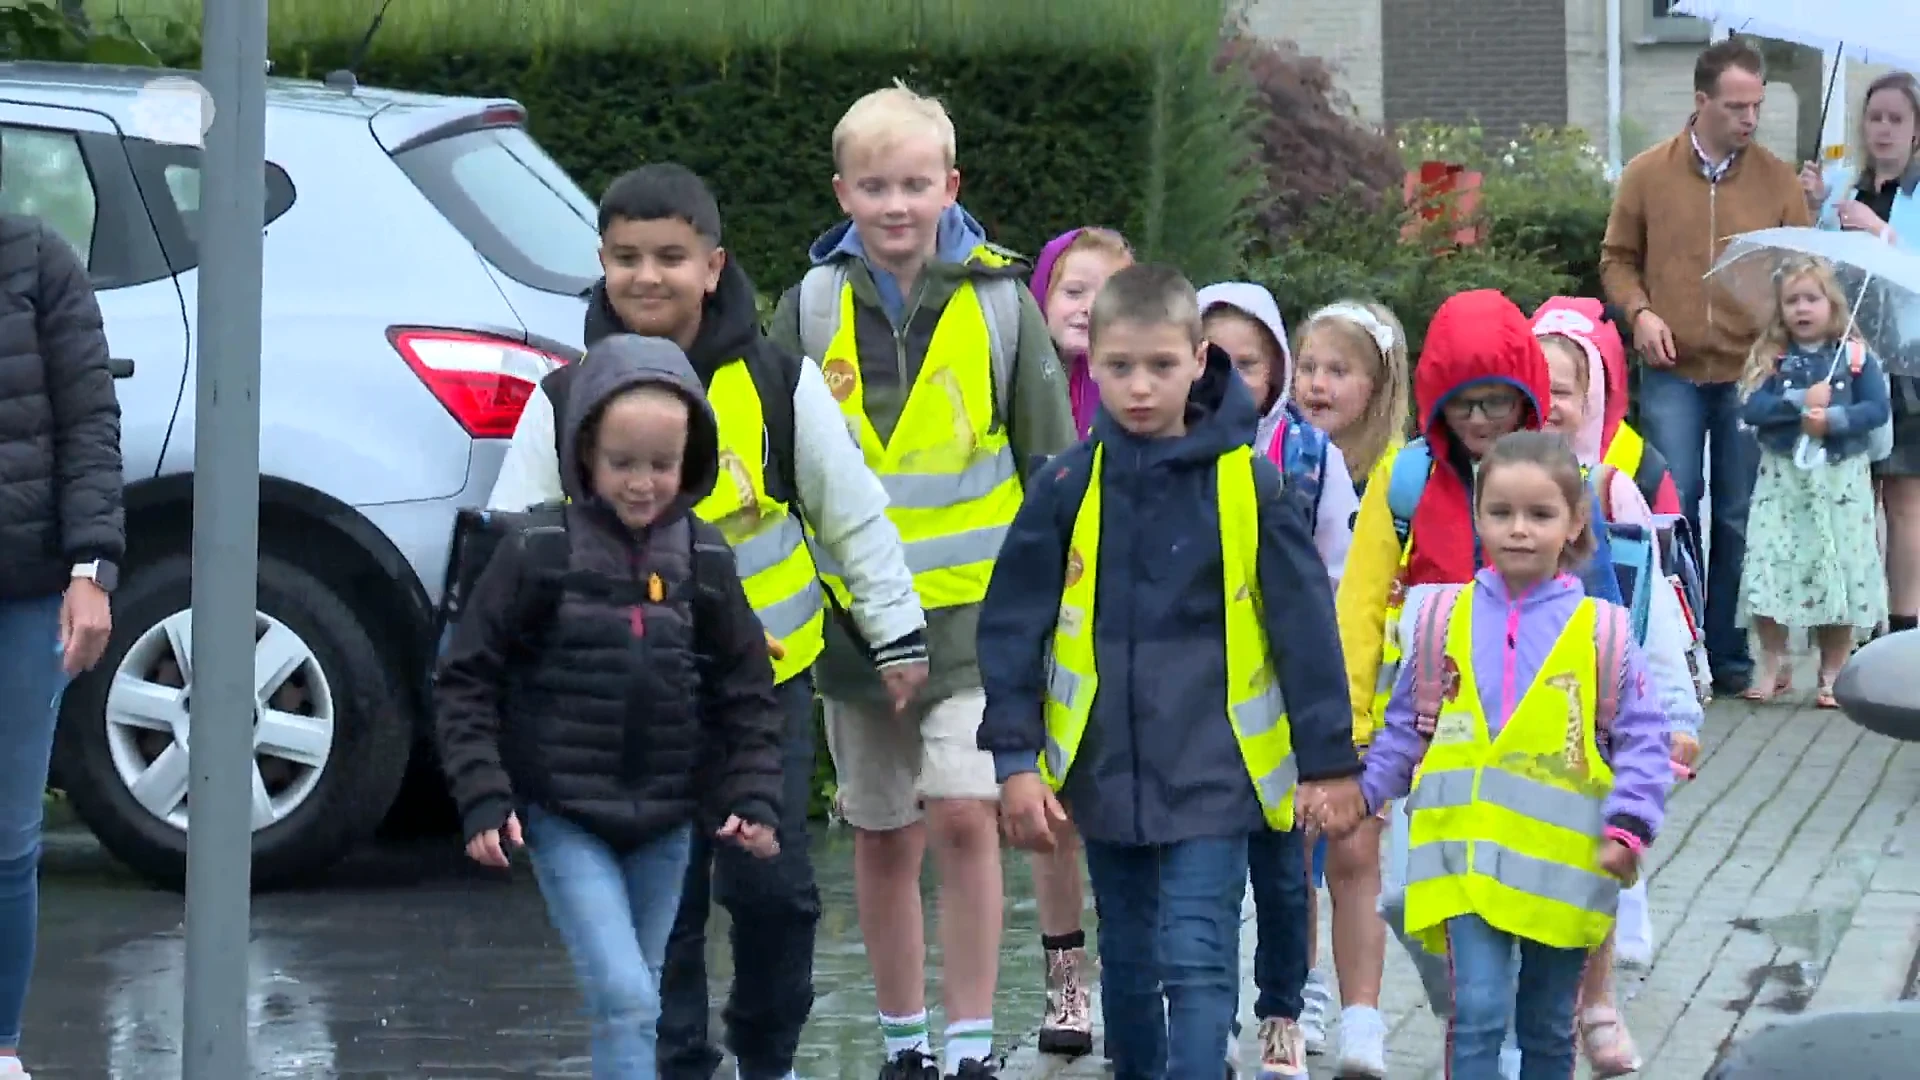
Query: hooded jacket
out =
(893, 330)
(1159, 762)
(1476, 337)
(585, 693)
(1338, 500)
(1081, 393)
(817, 468)
(1591, 325)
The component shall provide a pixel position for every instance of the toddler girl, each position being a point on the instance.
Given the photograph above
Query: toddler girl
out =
(561, 728)
(1539, 755)
(1066, 276)
(1814, 397)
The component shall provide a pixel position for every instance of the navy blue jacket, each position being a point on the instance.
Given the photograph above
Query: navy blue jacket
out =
(1159, 763)
(1859, 402)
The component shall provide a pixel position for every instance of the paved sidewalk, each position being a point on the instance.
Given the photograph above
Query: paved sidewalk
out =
(1786, 858)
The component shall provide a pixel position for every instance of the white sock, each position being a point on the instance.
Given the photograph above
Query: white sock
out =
(968, 1040)
(904, 1033)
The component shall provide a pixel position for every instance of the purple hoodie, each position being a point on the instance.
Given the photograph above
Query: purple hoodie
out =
(1504, 667)
(1080, 389)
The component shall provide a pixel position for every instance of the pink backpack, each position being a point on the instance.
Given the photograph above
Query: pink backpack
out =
(1433, 684)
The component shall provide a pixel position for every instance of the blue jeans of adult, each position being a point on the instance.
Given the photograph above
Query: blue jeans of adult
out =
(614, 910)
(1682, 419)
(1487, 998)
(1277, 868)
(773, 908)
(1169, 953)
(31, 681)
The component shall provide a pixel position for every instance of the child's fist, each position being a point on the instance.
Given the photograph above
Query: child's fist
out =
(759, 840)
(1819, 395)
(1029, 812)
(1619, 860)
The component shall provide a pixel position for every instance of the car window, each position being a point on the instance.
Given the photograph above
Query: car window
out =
(170, 179)
(183, 186)
(44, 174)
(519, 209)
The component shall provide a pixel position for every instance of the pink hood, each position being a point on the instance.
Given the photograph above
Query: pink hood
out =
(1580, 320)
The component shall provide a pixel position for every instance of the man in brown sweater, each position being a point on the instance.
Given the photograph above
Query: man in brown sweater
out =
(1676, 207)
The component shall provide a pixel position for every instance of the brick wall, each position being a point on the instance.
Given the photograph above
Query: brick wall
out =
(1500, 62)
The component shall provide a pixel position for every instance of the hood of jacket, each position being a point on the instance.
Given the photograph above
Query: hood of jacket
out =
(1585, 322)
(1256, 303)
(729, 321)
(1220, 417)
(1475, 338)
(1082, 394)
(621, 362)
(959, 234)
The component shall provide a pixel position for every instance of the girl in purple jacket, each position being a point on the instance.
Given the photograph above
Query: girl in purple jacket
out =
(1542, 764)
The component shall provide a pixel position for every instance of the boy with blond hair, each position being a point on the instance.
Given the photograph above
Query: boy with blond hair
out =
(941, 362)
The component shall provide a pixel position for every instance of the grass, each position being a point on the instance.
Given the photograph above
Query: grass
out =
(414, 25)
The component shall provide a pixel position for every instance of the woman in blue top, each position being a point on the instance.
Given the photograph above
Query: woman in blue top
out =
(1883, 198)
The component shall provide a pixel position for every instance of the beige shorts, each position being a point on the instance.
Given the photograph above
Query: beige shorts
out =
(887, 764)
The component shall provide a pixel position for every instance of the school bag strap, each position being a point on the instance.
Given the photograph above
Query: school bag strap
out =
(1856, 355)
(818, 304)
(1406, 483)
(1300, 449)
(1603, 486)
(1430, 681)
(1613, 632)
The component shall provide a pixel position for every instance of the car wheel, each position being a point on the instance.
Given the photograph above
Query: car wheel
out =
(331, 738)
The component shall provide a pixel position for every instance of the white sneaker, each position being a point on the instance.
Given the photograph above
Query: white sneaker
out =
(1363, 1044)
(1316, 1000)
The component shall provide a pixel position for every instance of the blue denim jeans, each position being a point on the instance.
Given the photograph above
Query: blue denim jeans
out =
(1487, 997)
(1169, 953)
(1681, 419)
(1277, 868)
(614, 911)
(31, 682)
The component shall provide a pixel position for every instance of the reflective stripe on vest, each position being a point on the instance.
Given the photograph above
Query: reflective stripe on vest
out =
(769, 545)
(1508, 828)
(952, 482)
(1255, 709)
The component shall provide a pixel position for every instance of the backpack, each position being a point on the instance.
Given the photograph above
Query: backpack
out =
(775, 375)
(1880, 439)
(1301, 452)
(819, 312)
(1431, 682)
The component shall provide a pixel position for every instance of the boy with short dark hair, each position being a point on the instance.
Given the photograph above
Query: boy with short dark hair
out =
(1160, 611)
(786, 471)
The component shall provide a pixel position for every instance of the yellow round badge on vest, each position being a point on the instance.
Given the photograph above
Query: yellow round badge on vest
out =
(1076, 566)
(841, 377)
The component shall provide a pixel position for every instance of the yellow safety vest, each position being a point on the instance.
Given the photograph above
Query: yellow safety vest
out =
(953, 486)
(1626, 450)
(769, 544)
(1254, 705)
(1509, 828)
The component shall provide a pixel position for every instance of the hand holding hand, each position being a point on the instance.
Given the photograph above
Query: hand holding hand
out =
(86, 621)
(1813, 183)
(760, 840)
(1335, 807)
(1654, 338)
(1029, 812)
(1814, 421)
(1619, 860)
(485, 848)
(903, 682)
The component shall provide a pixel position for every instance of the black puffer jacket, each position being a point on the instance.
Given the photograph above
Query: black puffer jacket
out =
(587, 692)
(60, 479)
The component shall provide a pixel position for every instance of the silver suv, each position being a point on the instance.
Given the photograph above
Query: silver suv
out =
(425, 265)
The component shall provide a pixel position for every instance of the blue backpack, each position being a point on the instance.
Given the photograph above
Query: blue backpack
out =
(1303, 454)
(1626, 549)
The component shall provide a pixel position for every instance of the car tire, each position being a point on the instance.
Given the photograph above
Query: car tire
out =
(365, 759)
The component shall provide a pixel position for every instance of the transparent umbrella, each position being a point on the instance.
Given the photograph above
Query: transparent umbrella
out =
(1881, 284)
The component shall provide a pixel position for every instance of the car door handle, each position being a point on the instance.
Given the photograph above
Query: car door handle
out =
(120, 368)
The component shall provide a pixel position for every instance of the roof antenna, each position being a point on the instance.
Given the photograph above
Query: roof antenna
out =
(344, 79)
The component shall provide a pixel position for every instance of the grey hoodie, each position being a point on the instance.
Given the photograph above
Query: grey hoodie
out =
(621, 362)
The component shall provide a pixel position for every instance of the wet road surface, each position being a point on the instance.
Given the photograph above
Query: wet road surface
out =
(408, 963)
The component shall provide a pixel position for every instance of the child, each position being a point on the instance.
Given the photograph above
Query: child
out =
(1812, 561)
(1621, 446)
(784, 450)
(1069, 271)
(940, 361)
(1137, 565)
(1350, 380)
(1526, 718)
(557, 729)
(1243, 319)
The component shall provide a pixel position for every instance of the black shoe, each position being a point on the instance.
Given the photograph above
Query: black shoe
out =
(910, 1065)
(1732, 685)
(971, 1069)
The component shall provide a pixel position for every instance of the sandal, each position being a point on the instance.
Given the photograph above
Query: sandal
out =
(1782, 682)
(1823, 697)
(1607, 1043)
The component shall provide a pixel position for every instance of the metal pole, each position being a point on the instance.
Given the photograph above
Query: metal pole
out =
(226, 503)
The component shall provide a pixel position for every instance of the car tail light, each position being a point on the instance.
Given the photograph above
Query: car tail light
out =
(483, 380)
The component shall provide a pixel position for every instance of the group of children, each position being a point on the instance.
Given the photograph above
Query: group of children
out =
(1101, 559)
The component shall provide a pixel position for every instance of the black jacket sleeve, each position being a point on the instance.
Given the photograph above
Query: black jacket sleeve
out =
(736, 686)
(1302, 631)
(1018, 616)
(86, 412)
(468, 691)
